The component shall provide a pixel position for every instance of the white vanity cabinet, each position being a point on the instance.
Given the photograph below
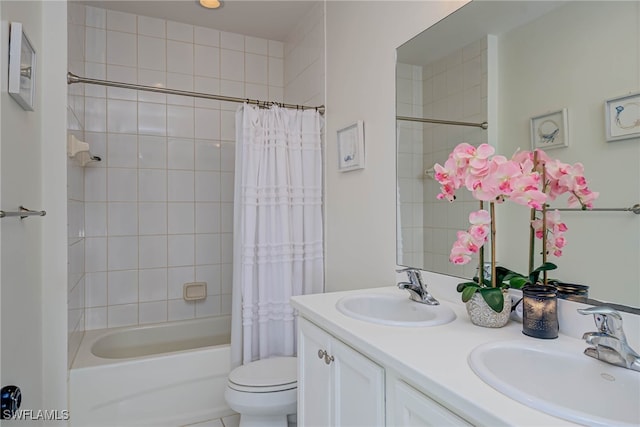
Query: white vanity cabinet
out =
(337, 386)
(410, 407)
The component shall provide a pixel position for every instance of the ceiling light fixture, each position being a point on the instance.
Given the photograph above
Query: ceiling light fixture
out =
(210, 4)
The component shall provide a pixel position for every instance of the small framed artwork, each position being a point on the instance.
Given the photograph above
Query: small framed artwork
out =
(22, 67)
(622, 117)
(550, 130)
(351, 147)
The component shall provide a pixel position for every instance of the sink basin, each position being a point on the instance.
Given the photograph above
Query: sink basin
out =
(394, 310)
(561, 381)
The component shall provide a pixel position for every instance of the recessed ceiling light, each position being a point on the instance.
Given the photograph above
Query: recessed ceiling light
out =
(210, 4)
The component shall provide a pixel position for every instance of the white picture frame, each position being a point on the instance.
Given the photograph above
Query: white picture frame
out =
(351, 147)
(622, 117)
(550, 130)
(22, 67)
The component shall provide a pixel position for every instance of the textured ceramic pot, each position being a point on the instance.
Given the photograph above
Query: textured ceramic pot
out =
(482, 315)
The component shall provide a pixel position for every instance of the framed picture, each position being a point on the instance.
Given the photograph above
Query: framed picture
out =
(550, 130)
(22, 67)
(622, 117)
(351, 147)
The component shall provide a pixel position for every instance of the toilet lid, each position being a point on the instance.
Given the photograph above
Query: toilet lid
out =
(278, 372)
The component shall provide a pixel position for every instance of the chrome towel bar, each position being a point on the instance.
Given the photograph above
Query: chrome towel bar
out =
(22, 213)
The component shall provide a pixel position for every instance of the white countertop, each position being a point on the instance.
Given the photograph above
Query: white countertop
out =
(434, 359)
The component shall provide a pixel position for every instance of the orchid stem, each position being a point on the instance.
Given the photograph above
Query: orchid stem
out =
(481, 257)
(493, 243)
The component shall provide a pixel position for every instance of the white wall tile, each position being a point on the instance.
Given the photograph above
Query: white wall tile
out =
(226, 279)
(206, 85)
(152, 218)
(225, 304)
(179, 57)
(207, 155)
(227, 248)
(152, 312)
(121, 185)
(226, 187)
(95, 45)
(256, 91)
(276, 72)
(207, 186)
(152, 78)
(122, 287)
(153, 251)
(226, 217)
(231, 88)
(152, 284)
(122, 253)
(181, 250)
(95, 221)
(256, 45)
(95, 318)
(152, 185)
(180, 186)
(207, 217)
(121, 49)
(153, 27)
(227, 156)
(95, 115)
(276, 49)
(180, 82)
(181, 310)
(121, 21)
(152, 53)
(122, 150)
(152, 119)
(123, 219)
(210, 274)
(152, 152)
(206, 36)
(181, 153)
(227, 126)
(122, 315)
(231, 65)
(122, 116)
(122, 74)
(95, 17)
(207, 123)
(95, 254)
(231, 41)
(96, 289)
(256, 68)
(95, 70)
(181, 218)
(180, 121)
(95, 184)
(179, 31)
(208, 307)
(207, 61)
(208, 247)
(178, 276)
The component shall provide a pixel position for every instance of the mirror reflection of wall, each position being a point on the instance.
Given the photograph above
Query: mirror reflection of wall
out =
(520, 60)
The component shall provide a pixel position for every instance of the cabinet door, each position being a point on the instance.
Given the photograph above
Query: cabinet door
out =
(413, 408)
(314, 376)
(358, 388)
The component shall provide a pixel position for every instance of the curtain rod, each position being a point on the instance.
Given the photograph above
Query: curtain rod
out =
(72, 78)
(483, 125)
(634, 209)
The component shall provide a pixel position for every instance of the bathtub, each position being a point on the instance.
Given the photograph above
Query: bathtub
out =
(168, 374)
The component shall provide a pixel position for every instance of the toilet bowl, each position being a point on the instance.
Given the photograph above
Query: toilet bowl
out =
(264, 392)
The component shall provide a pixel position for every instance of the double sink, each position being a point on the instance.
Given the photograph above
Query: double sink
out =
(553, 377)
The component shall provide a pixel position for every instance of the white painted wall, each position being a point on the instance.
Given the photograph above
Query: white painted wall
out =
(360, 206)
(33, 263)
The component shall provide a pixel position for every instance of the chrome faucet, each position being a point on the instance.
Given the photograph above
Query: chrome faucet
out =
(609, 343)
(416, 287)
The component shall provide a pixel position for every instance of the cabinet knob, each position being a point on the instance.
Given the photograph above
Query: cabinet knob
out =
(328, 359)
(321, 354)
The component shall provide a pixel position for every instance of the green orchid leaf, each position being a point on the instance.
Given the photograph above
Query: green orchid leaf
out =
(468, 292)
(546, 267)
(493, 298)
(461, 286)
(518, 282)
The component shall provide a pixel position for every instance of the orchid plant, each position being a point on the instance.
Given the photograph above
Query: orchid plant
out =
(529, 178)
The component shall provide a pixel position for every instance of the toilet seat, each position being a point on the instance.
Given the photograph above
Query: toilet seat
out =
(265, 376)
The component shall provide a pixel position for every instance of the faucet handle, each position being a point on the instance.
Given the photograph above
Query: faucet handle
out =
(607, 320)
(414, 275)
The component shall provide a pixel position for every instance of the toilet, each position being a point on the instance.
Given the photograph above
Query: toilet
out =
(264, 392)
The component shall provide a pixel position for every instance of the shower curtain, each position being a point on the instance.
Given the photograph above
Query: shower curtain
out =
(277, 239)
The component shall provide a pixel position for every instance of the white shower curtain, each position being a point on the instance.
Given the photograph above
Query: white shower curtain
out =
(277, 227)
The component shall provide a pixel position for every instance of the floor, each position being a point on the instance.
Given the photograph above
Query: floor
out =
(230, 421)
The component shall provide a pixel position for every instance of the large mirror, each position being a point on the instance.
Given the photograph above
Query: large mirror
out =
(506, 63)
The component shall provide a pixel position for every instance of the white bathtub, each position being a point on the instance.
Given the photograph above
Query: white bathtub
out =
(169, 374)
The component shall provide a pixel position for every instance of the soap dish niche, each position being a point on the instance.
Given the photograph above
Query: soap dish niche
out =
(79, 150)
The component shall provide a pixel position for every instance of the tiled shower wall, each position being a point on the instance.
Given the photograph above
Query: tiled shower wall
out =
(158, 210)
(454, 88)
